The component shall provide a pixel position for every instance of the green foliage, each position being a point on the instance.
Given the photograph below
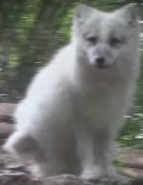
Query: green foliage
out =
(132, 133)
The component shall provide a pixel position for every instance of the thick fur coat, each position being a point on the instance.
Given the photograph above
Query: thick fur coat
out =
(75, 105)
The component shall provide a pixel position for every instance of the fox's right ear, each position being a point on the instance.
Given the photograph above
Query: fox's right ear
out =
(83, 12)
(131, 13)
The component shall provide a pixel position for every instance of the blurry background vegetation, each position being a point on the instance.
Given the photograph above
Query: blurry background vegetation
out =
(31, 31)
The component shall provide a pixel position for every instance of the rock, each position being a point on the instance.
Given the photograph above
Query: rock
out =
(8, 177)
(65, 180)
(5, 130)
(6, 112)
(7, 109)
(16, 178)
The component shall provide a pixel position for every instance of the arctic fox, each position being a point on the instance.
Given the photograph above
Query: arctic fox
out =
(75, 105)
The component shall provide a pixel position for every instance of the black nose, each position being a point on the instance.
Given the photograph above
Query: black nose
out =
(100, 60)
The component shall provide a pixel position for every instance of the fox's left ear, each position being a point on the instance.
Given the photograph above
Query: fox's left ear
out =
(83, 12)
(81, 15)
(131, 13)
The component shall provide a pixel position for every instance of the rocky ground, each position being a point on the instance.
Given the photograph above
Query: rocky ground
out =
(14, 173)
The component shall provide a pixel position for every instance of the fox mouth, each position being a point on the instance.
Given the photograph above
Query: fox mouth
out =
(102, 66)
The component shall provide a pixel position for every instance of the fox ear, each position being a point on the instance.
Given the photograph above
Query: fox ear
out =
(82, 12)
(131, 14)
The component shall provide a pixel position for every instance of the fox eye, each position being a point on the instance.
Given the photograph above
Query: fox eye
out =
(92, 39)
(115, 41)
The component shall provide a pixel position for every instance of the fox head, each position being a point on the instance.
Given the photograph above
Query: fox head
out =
(105, 37)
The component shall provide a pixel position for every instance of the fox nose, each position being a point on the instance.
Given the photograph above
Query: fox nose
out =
(100, 60)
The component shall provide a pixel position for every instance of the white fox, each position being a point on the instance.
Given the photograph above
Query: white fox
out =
(75, 105)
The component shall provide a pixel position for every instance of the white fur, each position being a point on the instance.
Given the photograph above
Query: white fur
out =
(73, 109)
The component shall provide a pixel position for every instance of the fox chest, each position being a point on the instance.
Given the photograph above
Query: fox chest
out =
(101, 107)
